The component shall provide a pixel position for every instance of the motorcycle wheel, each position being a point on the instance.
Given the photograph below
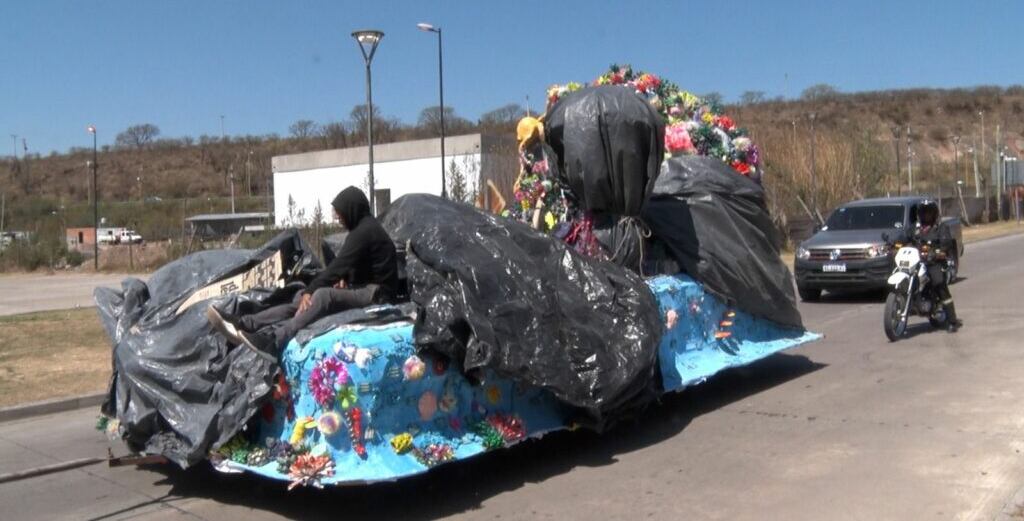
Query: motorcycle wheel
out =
(892, 321)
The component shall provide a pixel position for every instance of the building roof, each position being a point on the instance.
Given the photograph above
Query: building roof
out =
(228, 216)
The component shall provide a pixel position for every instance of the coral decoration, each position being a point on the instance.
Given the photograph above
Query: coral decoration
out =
(326, 379)
(510, 427)
(309, 470)
(427, 405)
(493, 394)
(328, 423)
(299, 430)
(402, 443)
(671, 319)
(258, 457)
(413, 368)
(490, 437)
(355, 431)
(347, 396)
(434, 454)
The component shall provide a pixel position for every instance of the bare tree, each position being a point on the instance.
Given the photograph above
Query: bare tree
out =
(819, 92)
(303, 129)
(503, 116)
(752, 97)
(384, 129)
(713, 98)
(334, 134)
(430, 121)
(138, 136)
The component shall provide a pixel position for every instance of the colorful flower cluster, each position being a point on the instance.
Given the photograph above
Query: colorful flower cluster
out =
(692, 126)
(328, 376)
(537, 190)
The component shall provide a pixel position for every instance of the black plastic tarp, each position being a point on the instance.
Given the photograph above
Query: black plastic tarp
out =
(177, 390)
(715, 225)
(609, 143)
(494, 293)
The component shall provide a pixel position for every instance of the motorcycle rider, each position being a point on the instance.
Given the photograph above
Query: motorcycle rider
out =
(931, 230)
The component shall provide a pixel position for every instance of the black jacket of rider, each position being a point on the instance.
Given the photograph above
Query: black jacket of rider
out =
(938, 235)
(368, 255)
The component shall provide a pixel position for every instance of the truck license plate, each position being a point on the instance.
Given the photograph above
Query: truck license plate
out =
(833, 268)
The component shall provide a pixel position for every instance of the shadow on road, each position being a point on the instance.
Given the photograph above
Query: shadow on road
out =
(463, 486)
(853, 297)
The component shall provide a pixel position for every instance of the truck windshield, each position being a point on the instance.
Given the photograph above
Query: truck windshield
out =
(866, 218)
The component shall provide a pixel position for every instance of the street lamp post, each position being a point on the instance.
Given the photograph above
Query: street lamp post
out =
(368, 41)
(95, 205)
(440, 78)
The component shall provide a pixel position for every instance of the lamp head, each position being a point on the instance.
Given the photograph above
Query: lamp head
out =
(91, 129)
(427, 27)
(368, 39)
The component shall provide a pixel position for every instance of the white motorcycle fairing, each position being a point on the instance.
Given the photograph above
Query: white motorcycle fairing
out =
(897, 278)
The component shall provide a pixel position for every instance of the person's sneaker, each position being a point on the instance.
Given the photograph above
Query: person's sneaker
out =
(262, 344)
(225, 323)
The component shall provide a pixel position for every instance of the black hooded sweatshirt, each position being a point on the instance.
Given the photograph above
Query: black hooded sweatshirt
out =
(368, 255)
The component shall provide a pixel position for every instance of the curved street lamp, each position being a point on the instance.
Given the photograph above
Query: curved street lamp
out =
(440, 76)
(368, 39)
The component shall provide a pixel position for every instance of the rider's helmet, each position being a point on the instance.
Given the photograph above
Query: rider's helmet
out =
(928, 212)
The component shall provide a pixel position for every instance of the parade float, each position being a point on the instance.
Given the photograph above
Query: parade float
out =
(638, 259)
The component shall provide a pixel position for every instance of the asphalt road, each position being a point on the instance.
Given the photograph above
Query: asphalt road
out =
(851, 427)
(25, 293)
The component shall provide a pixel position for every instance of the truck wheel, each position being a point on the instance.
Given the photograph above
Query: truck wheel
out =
(809, 294)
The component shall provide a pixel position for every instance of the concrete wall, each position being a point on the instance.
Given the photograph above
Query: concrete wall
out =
(403, 168)
(307, 188)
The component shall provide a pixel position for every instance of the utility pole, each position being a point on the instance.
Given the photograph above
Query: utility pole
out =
(977, 189)
(231, 180)
(3, 209)
(910, 164)
(999, 171)
(983, 152)
(14, 142)
(222, 127)
(814, 174)
(24, 157)
(897, 132)
(248, 180)
(956, 160)
(95, 205)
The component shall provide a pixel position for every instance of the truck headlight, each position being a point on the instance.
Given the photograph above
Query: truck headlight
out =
(803, 253)
(877, 250)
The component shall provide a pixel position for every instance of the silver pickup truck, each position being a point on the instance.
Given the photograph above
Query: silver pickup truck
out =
(848, 252)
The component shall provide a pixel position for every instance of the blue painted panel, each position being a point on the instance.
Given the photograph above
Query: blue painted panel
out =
(396, 393)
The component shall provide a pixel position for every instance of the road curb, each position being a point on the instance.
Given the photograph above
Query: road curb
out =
(28, 410)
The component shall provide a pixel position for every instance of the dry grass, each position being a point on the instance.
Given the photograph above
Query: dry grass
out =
(992, 230)
(52, 354)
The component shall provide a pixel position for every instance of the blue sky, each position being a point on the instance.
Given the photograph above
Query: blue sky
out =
(264, 64)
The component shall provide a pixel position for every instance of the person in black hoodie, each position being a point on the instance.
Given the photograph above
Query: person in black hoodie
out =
(365, 272)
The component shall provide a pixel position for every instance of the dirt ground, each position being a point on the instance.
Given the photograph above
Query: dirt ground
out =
(52, 354)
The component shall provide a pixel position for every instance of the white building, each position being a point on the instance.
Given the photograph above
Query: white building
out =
(303, 181)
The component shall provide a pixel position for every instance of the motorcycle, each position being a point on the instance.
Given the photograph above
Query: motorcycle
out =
(909, 291)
